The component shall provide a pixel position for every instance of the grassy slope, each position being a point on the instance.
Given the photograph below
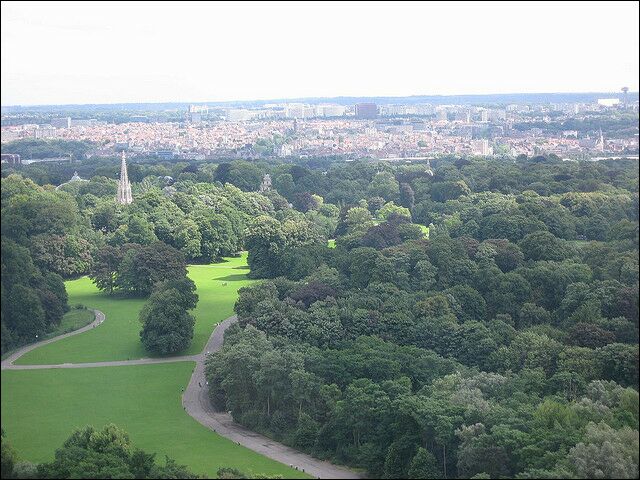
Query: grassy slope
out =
(118, 337)
(41, 407)
(73, 320)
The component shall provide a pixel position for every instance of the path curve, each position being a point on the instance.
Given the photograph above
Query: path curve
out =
(196, 401)
(7, 363)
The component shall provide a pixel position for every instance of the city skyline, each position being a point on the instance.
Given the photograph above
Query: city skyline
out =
(473, 99)
(101, 53)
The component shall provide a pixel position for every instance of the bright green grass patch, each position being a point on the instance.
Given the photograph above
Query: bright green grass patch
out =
(331, 243)
(118, 338)
(425, 230)
(40, 408)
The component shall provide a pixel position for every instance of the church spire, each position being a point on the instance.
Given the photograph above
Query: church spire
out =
(124, 186)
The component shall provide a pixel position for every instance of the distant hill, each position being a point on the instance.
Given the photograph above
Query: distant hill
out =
(506, 98)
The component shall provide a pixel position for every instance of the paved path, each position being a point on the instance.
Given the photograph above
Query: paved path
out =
(115, 363)
(196, 402)
(8, 362)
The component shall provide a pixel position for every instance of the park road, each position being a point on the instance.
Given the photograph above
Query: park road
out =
(195, 400)
(197, 404)
(7, 363)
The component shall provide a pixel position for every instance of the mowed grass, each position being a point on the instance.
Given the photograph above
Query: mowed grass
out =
(118, 338)
(74, 319)
(40, 408)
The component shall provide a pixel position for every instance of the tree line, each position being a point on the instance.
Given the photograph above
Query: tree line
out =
(504, 345)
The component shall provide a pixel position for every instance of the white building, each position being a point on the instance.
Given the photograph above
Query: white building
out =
(425, 109)
(331, 110)
(295, 110)
(239, 115)
(45, 131)
(608, 102)
(9, 135)
(285, 150)
(390, 110)
(481, 147)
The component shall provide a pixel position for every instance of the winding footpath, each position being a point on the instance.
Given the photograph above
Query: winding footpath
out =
(7, 363)
(195, 400)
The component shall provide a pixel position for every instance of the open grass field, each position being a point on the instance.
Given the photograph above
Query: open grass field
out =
(118, 337)
(41, 407)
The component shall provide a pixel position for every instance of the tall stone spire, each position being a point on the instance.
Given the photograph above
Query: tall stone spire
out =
(600, 142)
(124, 186)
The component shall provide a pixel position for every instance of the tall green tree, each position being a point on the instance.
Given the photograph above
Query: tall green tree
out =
(167, 327)
(142, 267)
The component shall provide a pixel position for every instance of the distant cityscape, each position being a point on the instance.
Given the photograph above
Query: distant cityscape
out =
(391, 131)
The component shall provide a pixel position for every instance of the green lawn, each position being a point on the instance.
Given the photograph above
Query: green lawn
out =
(41, 407)
(118, 337)
(73, 320)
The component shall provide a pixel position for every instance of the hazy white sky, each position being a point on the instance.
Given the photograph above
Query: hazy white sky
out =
(95, 52)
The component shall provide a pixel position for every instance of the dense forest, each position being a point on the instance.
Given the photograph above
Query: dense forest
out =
(502, 343)
(49, 235)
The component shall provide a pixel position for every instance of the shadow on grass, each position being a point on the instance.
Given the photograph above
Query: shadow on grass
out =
(233, 278)
(215, 261)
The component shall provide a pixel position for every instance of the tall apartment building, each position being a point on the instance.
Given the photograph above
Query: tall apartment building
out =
(366, 110)
(64, 122)
(44, 131)
(481, 147)
(331, 110)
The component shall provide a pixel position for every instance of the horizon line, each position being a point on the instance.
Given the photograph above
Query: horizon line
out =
(317, 98)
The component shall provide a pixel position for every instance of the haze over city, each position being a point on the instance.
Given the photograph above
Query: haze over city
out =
(290, 240)
(116, 52)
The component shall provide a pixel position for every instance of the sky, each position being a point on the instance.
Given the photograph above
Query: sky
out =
(121, 52)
